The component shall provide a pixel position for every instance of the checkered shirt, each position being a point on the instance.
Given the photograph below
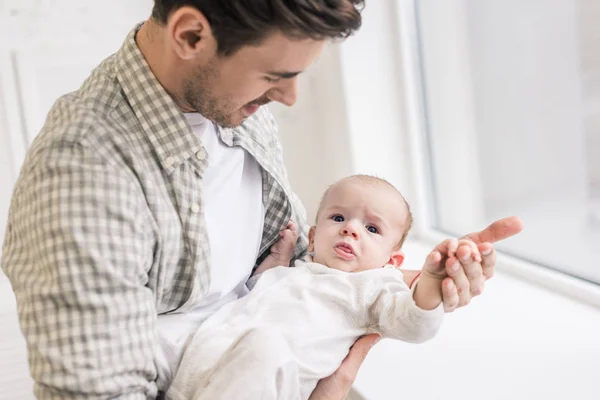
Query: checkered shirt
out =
(106, 228)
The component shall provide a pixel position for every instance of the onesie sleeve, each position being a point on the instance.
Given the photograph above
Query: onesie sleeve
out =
(394, 314)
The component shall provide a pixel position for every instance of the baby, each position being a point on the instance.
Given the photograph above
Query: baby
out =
(297, 324)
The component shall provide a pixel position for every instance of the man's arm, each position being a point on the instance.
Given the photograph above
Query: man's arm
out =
(77, 252)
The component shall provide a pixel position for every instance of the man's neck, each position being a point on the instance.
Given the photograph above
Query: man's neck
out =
(151, 42)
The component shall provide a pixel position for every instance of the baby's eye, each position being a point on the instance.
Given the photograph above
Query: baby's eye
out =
(337, 218)
(372, 229)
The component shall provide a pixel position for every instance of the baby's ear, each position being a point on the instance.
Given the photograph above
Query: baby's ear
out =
(396, 259)
(311, 239)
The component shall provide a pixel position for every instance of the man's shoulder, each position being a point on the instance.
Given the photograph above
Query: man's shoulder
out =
(92, 115)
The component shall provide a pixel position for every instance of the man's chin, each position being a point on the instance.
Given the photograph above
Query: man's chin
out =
(234, 120)
(231, 121)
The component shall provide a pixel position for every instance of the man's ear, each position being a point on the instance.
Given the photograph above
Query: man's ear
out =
(396, 259)
(311, 239)
(190, 33)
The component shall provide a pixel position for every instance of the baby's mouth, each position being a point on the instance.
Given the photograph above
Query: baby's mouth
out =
(345, 251)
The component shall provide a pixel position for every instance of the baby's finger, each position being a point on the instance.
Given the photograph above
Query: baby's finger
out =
(474, 273)
(293, 227)
(457, 273)
(474, 250)
(447, 248)
(433, 260)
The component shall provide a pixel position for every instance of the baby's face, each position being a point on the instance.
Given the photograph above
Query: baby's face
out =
(359, 227)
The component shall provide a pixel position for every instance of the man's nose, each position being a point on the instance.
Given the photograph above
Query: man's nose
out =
(286, 93)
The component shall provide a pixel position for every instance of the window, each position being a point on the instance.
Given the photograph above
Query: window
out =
(511, 116)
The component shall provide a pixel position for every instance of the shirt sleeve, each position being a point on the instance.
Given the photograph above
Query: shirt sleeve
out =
(395, 315)
(77, 251)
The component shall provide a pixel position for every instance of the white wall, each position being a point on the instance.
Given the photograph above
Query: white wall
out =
(314, 131)
(47, 48)
(7, 171)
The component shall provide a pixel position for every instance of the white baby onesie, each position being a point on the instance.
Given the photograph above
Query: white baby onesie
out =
(294, 328)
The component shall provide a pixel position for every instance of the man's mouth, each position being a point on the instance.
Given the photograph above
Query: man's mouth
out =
(253, 107)
(250, 109)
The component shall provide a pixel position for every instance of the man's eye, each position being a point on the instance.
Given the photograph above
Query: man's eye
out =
(272, 80)
(337, 218)
(372, 229)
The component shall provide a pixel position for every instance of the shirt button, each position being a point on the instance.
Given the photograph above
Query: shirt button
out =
(195, 208)
(169, 161)
(201, 155)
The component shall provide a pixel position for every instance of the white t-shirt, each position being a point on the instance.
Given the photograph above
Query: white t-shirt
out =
(234, 215)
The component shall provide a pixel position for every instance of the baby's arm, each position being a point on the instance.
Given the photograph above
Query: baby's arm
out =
(394, 314)
(428, 290)
(415, 316)
(282, 251)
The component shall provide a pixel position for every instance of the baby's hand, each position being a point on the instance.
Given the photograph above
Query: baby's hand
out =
(446, 254)
(283, 250)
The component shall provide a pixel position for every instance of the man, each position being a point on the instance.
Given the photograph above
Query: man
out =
(128, 203)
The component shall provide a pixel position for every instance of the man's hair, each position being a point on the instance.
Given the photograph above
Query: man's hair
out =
(375, 181)
(237, 23)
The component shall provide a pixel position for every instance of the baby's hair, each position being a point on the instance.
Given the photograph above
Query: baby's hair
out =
(375, 181)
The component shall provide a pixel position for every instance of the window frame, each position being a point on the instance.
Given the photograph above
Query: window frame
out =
(416, 124)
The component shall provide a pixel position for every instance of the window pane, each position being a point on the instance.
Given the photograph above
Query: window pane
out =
(512, 98)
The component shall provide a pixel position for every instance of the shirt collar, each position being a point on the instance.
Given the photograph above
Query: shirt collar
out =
(161, 119)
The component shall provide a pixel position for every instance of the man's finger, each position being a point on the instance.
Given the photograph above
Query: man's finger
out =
(488, 259)
(450, 295)
(498, 230)
(337, 386)
(357, 355)
(455, 271)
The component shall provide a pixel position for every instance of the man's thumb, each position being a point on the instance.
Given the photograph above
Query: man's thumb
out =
(358, 353)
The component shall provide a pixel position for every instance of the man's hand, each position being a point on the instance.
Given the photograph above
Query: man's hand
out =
(470, 278)
(337, 386)
(466, 277)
